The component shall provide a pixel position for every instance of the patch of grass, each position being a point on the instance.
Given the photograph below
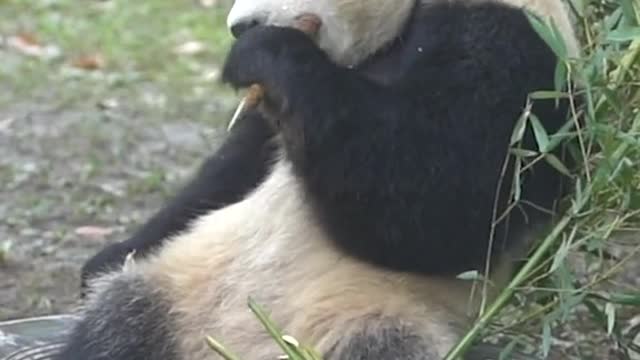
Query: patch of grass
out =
(135, 41)
(153, 182)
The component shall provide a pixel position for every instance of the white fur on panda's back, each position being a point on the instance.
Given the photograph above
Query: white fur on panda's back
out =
(256, 248)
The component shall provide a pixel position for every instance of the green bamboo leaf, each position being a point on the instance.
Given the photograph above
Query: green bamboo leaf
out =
(546, 338)
(519, 129)
(548, 95)
(630, 299)
(542, 137)
(610, 311)
(220, 349)
(557, 164)
(311, 354)
(548, 34)
(561, 255)
(275, 333)
(623, 35)
(596, 314)
(612, 21)
(559, 40)
(628, 12)
(560, 76)
(578, 6)
(524, 153)
(517, 180)
(505, 354)
(578, 190)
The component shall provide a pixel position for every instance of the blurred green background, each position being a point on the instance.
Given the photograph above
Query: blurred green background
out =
(105, 108)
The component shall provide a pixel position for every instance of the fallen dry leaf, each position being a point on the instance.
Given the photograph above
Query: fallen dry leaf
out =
(28, 39)
(90, 62)
(94, 231)
(28, 44)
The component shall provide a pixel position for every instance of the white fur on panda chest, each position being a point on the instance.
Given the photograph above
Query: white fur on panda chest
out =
(269, 247)
(253, 248)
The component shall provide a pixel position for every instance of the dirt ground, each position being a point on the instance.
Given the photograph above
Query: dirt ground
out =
(105, 109)
(73, 180)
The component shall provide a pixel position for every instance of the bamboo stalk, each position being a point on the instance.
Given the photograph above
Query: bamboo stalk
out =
(506, 295)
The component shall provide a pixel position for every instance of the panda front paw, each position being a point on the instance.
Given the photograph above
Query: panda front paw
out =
(110, 258)
(269, 56)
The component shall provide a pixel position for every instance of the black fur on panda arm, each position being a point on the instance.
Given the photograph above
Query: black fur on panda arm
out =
(403, 172)
(226, 177)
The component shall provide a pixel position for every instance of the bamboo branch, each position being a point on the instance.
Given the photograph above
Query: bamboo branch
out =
(309, 24)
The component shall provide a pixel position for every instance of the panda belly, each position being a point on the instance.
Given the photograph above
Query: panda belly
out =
(269, 247)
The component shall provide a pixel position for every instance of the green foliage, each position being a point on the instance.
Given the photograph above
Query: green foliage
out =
(291, 348)
(551, 296)
(137, 43)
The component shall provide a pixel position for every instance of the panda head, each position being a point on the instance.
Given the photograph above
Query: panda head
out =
(352, 29)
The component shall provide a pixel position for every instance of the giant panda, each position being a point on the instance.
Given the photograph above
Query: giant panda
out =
(374, 173)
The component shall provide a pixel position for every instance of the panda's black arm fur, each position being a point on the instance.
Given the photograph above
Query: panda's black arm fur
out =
(404, 174)
(231, 172)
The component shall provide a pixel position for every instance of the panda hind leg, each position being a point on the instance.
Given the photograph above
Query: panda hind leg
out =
(126, 319)
(391, 341)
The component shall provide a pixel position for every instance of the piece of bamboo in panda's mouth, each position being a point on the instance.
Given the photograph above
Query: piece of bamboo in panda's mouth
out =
(309, 24)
